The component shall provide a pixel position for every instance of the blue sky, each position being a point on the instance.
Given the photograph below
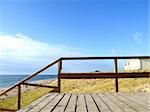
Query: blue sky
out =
(69, 28)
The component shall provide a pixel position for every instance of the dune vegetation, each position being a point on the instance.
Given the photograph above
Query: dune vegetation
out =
(105, 85)
(81, 86)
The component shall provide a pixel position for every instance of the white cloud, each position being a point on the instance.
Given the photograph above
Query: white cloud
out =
(138, 37)
(20, 53)
(21, 46)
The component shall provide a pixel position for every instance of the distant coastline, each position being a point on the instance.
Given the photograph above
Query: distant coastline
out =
(9, 80)
(25, 88)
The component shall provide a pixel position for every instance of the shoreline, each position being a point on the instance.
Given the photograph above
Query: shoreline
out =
(25, 88)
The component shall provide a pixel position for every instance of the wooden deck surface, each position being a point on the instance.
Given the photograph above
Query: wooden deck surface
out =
(97, 102)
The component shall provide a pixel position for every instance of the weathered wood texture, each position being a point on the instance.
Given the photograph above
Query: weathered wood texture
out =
(61, 75)
(59, 71)
(116, 75)
(96, 102)
(103, 75)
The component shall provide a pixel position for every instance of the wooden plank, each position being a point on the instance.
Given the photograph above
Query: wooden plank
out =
(39, 85)
(29, 77)
(87, 103)
(62, 104)
(146, 94)
(144, 97)
(34, 103)
(105, 57)
(91, 106)
(19, 96)
(143, 104)
(101, 104)
(72, 104)
(41, 70)
(116, 73)
(75, 58)
(51, 105)
(59, 71)
(121, 104)
(59, 66)
(81, 104)
(7, 110)
(43, 103)
(103, 75)
(111, 104)
(131, 103)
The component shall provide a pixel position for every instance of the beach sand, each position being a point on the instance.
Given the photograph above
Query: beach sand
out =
(24, 88)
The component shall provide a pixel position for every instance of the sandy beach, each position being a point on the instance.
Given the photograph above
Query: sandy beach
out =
(24, 88)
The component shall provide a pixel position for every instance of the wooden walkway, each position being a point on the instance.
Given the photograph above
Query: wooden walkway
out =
(97, 102)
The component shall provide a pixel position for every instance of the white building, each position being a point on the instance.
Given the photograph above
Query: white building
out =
(137, 64)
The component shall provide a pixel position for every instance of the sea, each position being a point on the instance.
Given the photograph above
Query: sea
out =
(9, 80)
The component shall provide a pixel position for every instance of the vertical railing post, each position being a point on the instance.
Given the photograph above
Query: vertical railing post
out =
(116, 75)
(59, 71)
(19, 96)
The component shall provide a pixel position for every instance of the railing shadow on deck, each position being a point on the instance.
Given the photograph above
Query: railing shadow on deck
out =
(62, 75)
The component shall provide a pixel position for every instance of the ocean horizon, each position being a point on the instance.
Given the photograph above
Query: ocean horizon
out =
(9, 80)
